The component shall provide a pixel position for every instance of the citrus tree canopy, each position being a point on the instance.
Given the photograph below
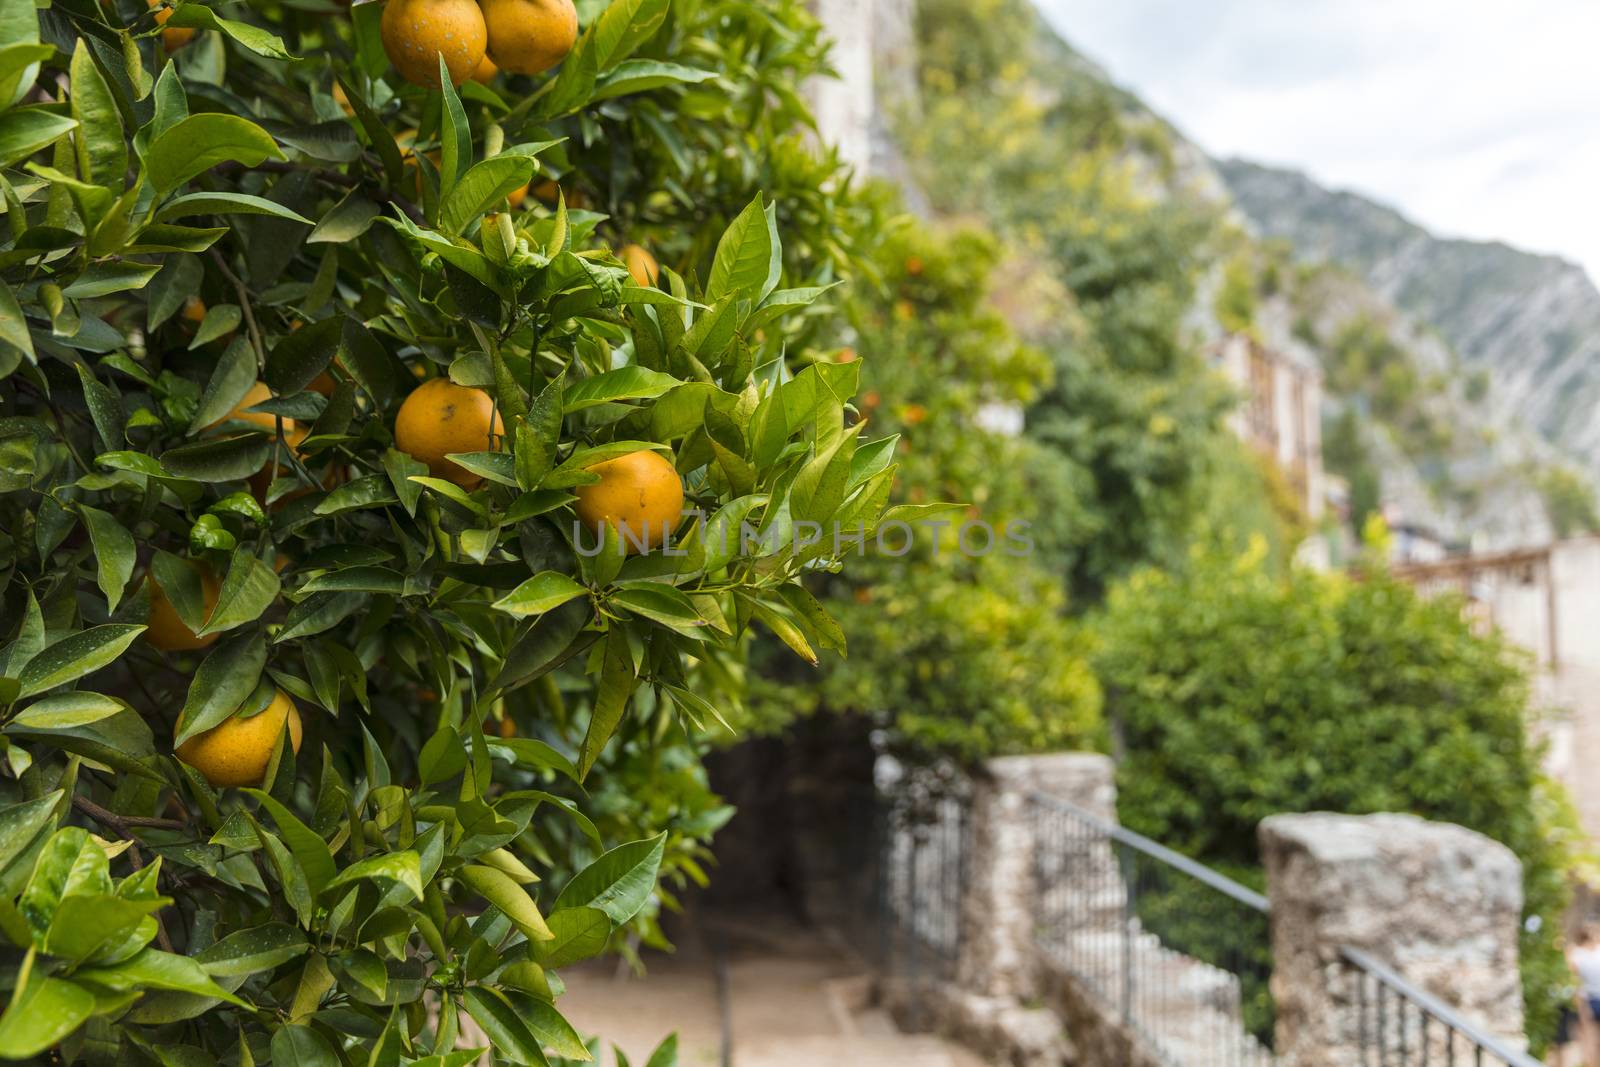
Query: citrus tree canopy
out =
(403, 417)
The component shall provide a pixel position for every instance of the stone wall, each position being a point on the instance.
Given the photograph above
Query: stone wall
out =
(1439, 904)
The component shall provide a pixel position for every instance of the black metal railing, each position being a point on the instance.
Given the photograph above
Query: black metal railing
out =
(1179, 953)
(1399, 1025)
(923, 827)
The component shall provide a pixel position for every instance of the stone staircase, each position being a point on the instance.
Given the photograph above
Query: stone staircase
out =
(792, 999)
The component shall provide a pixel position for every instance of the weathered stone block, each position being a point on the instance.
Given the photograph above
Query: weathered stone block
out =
(1439, 904)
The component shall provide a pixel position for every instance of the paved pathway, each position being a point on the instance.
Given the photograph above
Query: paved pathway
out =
(794, 1000)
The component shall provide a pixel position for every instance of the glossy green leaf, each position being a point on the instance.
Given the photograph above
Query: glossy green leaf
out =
(114, 553)
(576, 934)
(226, 678)
(199, 142)
(501, 890)
(75, 656)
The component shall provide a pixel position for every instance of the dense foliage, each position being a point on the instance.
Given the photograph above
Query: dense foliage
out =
(958, 634)
(225, 272)
(1238, 693)
(1014, 130)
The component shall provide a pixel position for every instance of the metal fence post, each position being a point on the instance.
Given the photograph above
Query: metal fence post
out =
(1129, 904)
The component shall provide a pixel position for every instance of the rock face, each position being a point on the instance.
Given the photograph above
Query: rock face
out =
(1439, 904)
(1531, 321)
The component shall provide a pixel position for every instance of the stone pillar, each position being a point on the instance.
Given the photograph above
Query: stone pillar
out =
(1439, 904)
(1000, 907)
(844, 106)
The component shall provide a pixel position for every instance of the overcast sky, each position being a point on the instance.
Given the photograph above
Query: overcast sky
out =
(1477, 118)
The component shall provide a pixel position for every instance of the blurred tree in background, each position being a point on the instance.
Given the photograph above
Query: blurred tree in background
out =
(1237, 692)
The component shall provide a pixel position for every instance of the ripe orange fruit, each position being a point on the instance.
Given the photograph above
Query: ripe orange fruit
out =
(639, 495)
(194, 309)
(343, 100)
(166, 629)
(323, 383)
(508, 728)
(174, 38)
(236, 751)
(530, 36)
(515, 197)
(642, 266)
(441, 417)
(485, 72)
(416, 32)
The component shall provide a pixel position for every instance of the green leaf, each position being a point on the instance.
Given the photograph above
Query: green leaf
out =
(617, 681)
(625, 383)
(77, 708)
(230, 380)
(345, 221)
(225, 203)
(84, 924)
(455, 135)
(154, 969)
(481, 188)
(200, 142)
(549, 1026)
(246, 952)
(114, 553)
(13, 326)
(576, 934)
(640, 75)
(403, 868)
(122, 741)
(803, 604)
(249, 589)
(309, 849)
(663, 604)
(358, 580)
(666, 1053)
(220, 320)
(302, 355)
(224, 681)
(505, 1029)
(254, 38)
(532, 754)
(539, 594)
(25, 130)
(22, 826)
(620, 882)
(41, 1013)
(622, 27)
(20, 53)
(501, 890)
(295, 1045)
(104, 279)
(786, 631)
(102, 150)
(75, 656)
(318, 613)
(744, 255)
(227, 460)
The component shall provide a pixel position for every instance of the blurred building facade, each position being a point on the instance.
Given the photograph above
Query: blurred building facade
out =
(1547, 600)
(1281, 413)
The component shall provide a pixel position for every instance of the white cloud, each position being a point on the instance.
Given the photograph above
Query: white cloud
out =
(1477, 118)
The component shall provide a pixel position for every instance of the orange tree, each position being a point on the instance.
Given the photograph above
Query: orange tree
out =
(352, 646)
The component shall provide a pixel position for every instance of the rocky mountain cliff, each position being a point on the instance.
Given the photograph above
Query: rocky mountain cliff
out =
(1530, 322)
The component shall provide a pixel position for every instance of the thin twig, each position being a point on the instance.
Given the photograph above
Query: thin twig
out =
(121, 823)
(245, 306)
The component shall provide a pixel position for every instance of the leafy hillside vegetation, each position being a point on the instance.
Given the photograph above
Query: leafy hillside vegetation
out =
(1521, 331)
